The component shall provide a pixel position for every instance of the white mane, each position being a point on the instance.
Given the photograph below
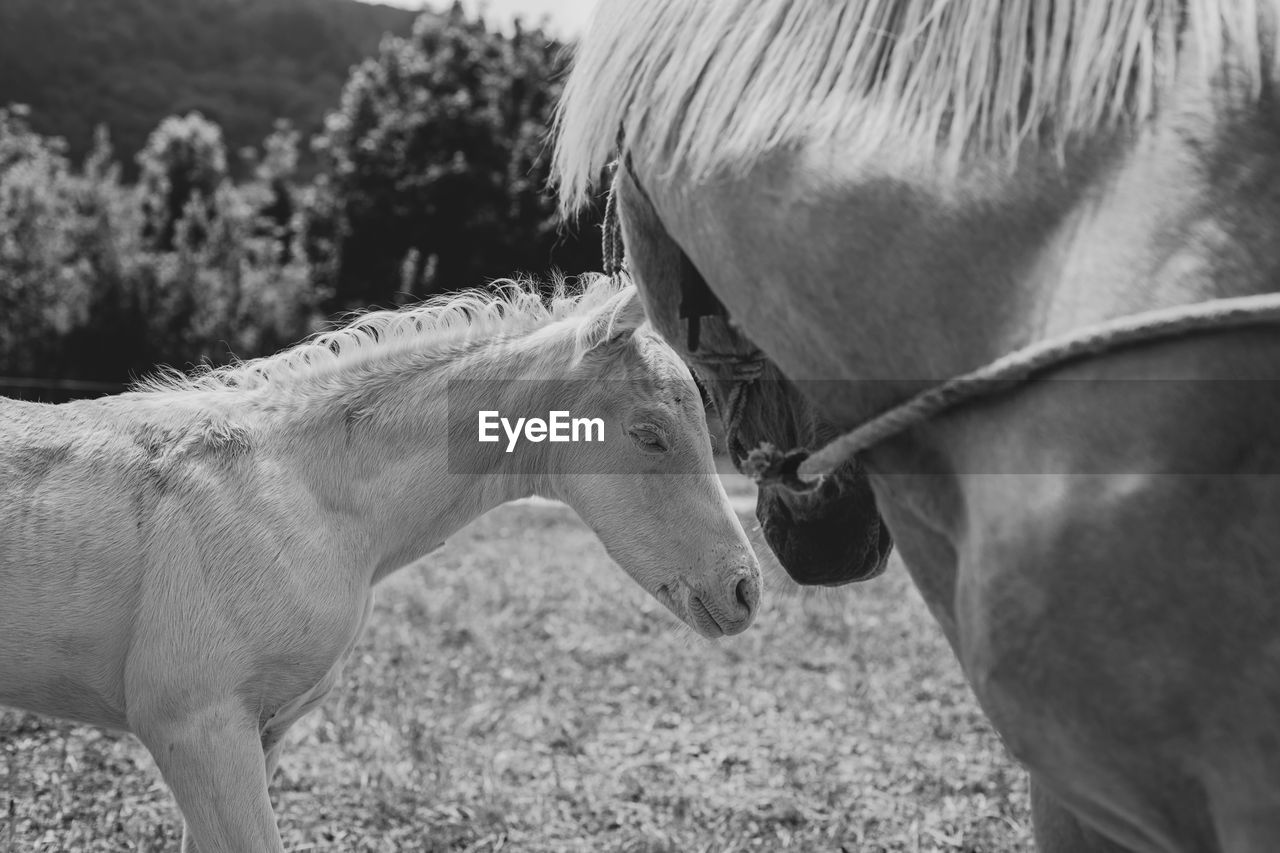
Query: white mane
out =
(438, 325)
(706, 85)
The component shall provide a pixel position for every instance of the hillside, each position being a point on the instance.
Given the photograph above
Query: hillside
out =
(130, 63)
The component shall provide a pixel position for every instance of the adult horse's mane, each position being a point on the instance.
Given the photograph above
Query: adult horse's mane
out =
(701, 85)
(437, 326)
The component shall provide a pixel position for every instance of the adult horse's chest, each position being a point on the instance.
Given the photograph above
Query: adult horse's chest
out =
(1107, 578)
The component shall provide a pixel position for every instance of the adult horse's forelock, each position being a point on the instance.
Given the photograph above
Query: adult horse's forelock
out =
(698, 86)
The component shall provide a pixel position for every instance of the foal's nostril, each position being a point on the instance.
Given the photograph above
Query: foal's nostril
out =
(748, 593)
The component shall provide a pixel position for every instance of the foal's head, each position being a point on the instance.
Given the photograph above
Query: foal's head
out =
(650, 489)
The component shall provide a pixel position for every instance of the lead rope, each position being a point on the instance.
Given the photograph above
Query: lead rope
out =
(611, 249)
(769, 465)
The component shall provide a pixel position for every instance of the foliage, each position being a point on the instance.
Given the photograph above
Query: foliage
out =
(183, 166)
(86, 294)
(49, 253)
(432, 177)
(517, 692)
(438, 154)
(130, 63)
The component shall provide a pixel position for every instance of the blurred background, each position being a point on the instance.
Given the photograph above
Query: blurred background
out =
(184, 181)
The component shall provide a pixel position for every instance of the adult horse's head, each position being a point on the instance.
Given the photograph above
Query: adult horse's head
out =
(830, 536)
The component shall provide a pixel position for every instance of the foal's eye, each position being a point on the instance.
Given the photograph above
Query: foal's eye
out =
(650, 439)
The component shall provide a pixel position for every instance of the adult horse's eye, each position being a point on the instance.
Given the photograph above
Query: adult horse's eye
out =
(648, 438)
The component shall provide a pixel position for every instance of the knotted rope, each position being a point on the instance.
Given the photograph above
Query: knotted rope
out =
(770, 465)
(743, 372)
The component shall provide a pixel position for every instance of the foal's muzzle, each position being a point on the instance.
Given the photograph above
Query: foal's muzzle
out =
(729, 611)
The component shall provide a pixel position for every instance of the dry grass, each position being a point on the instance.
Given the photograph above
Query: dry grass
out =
(517, 692)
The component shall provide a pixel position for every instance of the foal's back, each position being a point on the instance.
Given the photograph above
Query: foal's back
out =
(87, 490)
(72, 501)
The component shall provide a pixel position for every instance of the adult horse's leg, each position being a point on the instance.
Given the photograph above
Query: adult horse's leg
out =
(1058, 831)
(1257, 831)
(1241, 792)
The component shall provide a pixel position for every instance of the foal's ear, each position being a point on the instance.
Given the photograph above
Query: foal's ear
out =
(613, 323)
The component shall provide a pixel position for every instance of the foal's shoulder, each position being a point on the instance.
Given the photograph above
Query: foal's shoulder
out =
(140, 433)
(36, 439)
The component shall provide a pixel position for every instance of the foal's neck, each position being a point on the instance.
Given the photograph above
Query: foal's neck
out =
(390, 461)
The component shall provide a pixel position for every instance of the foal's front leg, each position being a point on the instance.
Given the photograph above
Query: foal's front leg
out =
(272, 745)
(212, 760)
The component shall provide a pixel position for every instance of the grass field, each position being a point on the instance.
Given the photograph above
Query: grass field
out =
(517, 692)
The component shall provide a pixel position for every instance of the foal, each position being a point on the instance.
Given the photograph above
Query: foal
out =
(193, 561)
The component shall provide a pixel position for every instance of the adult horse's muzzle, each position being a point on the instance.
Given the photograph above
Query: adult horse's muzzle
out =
(830, 536)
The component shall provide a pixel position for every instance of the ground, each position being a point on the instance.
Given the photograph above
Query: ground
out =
(516, 691)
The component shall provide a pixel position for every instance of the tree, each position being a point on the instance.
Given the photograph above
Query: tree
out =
(85, 295)
(184, 161)
(130, 63)
(438, 153)
(43, 287)
(275, 171)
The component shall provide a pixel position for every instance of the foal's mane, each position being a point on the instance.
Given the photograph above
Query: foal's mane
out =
(703, 85)
(439, 325)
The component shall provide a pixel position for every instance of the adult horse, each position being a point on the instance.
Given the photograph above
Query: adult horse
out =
(192, 562)
(887, 195)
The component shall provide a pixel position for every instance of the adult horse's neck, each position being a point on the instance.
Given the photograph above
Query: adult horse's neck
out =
(888, 283)
(930, 279)
(396, 454)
